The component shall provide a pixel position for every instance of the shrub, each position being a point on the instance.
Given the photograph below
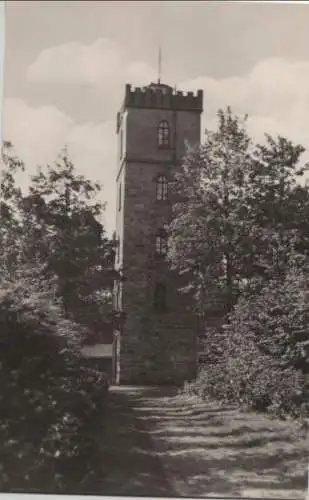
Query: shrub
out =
(276, 319)
(49, 404)
(260, 357)
(255, 381)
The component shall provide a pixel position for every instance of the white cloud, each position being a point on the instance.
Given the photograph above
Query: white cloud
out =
(39, 134)
(275, 94)
(100, 62)
(37, 131)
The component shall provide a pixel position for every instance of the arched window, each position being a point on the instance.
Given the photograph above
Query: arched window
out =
(162, 187)
(161, 243)
(163, 135)
(159, 299)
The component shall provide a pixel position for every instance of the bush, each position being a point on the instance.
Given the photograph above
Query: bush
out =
(276, 319)
(49, 404)
(256, 382)
(260, 356)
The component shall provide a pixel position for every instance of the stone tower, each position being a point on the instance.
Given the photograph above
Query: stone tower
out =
(156, 341)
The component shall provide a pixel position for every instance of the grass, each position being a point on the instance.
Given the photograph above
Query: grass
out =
(209, 449)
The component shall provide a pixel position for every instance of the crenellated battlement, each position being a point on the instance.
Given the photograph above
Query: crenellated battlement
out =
(163, 97)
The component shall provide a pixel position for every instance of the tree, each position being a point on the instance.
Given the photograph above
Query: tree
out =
(63, 206)
(57, 225)
(234, 218)
(49, 402)
(11, 229)
(277, 317)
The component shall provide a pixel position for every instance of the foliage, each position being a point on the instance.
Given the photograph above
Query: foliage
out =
(59, 224)
(239, 237)
(65, 205)
(50, 404)
(277, 317)
(257, 382)
(260, 357)
(238, 210)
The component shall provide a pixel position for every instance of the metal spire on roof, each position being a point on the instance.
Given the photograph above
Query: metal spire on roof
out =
(159, 65)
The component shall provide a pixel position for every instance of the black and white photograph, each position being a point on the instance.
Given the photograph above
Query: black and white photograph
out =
(154, 249)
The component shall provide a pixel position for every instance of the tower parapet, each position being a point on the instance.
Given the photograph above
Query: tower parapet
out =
(162, 96)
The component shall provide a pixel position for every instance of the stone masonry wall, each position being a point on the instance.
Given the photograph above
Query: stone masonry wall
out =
(155, 348)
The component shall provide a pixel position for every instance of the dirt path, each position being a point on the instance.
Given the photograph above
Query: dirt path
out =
(160, 444)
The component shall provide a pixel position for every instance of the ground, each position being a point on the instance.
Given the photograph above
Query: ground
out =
(158, 443)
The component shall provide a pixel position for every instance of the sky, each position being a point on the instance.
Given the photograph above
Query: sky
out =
(66, 65)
